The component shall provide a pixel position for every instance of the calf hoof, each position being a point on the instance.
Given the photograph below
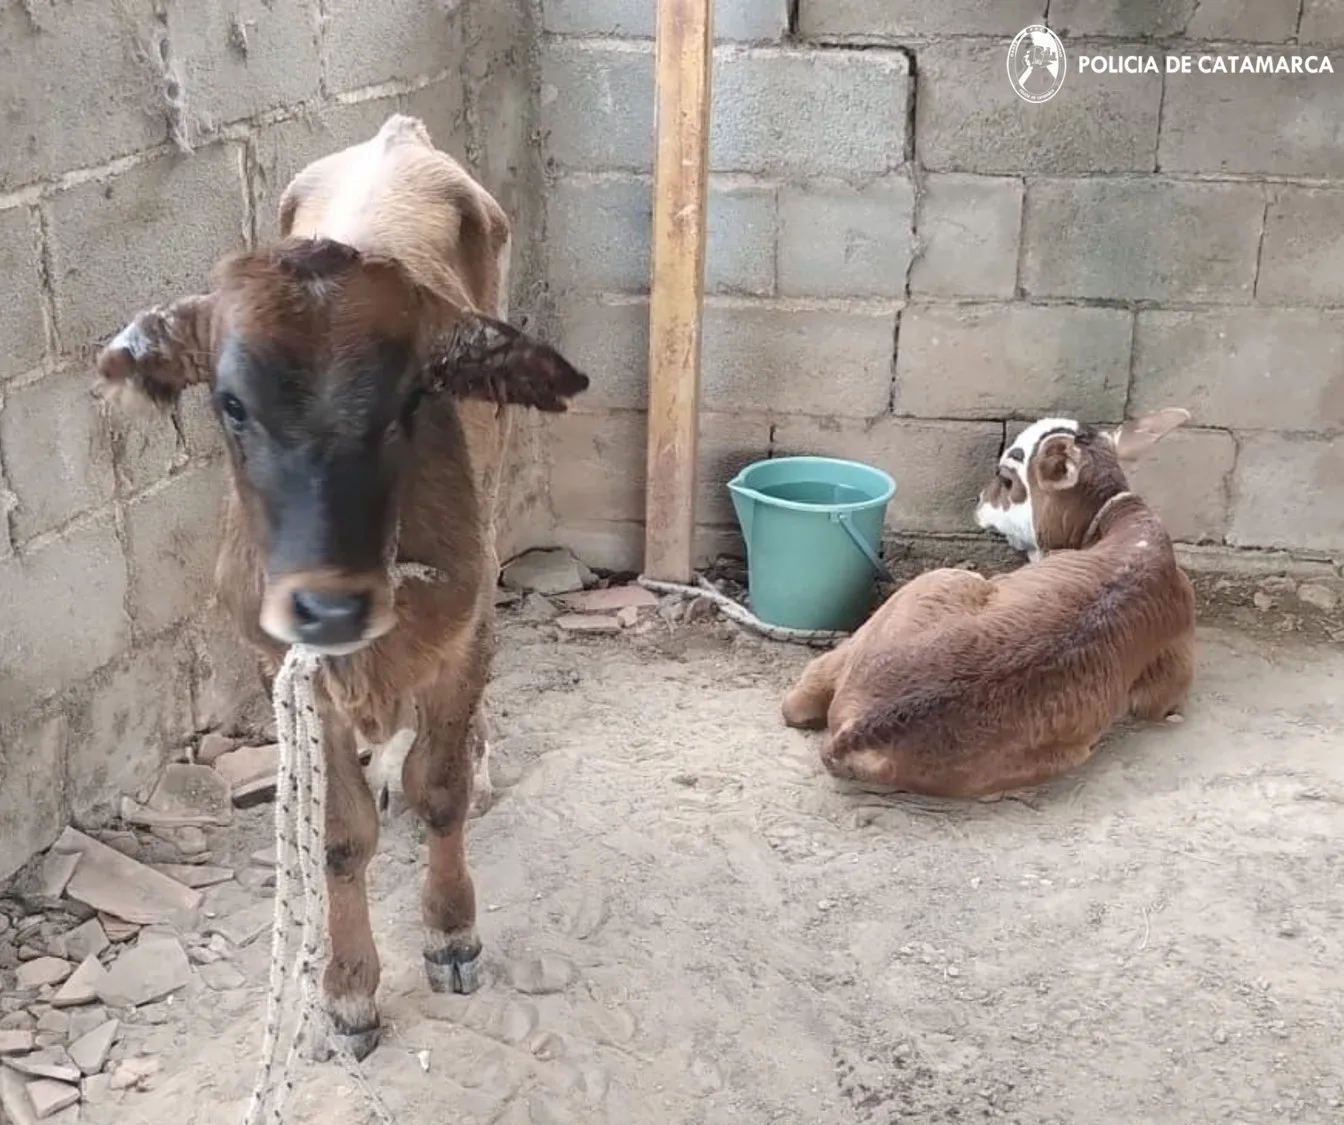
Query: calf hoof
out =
(457, 967)
(327, 1040)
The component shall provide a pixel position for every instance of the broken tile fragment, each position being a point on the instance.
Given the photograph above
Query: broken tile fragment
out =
(628, 616)
(212, 747)
(588, 623)
(221, 976)
(118, 885)
(546, 572)
(17, 1042)
(55, 1021)
(198, 876)
(610, 599)
(57, 867)
(89, 1052)
(49, 1098)
(144, 974)
(247, 764)
(134, 1073)
(196, 794)
(85, 940)
(82, 987)
(44, 970)
(50, 1063)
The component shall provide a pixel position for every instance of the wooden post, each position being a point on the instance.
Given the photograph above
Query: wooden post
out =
(684, 56)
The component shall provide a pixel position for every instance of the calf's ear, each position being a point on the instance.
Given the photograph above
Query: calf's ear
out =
(494, 361)
(1058, 462)
(161, 351)
(1138, 435)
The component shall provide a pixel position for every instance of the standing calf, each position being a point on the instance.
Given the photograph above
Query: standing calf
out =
(962, 685)
(335, 359)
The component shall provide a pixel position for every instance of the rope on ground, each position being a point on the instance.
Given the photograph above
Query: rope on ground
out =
(300, 852)
(735, 611)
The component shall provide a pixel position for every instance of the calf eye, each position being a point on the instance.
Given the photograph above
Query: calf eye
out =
(233, 409)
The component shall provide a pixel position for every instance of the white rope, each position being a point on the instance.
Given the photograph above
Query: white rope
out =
(735, 611)
(300, 852)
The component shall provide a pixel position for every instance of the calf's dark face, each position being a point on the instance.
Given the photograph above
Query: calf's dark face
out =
(317, 359)
(318, 446)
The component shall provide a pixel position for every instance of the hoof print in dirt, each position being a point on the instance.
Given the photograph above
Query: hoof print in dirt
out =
(457, 971)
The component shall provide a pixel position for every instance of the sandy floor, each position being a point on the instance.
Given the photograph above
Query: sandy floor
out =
(686, 922)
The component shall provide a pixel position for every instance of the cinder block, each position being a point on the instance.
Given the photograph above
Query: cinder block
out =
(1025, 361)
(610, 545)
(747, 20)
(970, 120)
(756, 355)
(57, 455)
(1244, 369)
(761, 123)
(939, 467)
(1187, 479)
(371, 42)
(597, 104)
(62, 614)
(283, 150)
(597, 109)
(173, 541)
(886, 20)
(1253, 21)
(599, 228)
(1285, 125)
(1288, 492)
(609, 340)
(619, 546)
(32, 798)
(20, 290)
(1322, 22)
(243, 58)
(1141, 239)
(148, 236)
(87, 64)
(132, 717)
(842, 241)
(969, 228)
(598, 464)
(1302, 261)
(145, 448)
(765, 356)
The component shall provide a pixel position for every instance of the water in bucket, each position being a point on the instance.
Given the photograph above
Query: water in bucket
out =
(813, 529)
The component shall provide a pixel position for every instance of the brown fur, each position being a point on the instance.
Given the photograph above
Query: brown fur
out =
(388, 240)
(962, 685)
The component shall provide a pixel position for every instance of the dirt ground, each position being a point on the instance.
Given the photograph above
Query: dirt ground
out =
(686, 922)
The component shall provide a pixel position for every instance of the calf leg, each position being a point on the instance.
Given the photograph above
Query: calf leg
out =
(352, 973)
(1163, 686)
(437, 780)
(809, 699)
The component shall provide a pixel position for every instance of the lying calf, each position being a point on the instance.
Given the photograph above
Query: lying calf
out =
(962, 685)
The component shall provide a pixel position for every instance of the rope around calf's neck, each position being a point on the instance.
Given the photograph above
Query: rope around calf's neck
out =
(300, 854)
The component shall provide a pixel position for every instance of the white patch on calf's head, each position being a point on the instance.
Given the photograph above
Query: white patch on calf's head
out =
(1015, 520)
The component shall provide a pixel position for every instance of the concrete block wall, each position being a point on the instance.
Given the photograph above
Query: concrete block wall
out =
(906, 261)
(143, 140)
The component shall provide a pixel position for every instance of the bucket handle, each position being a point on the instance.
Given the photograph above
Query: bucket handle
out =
(843, 519)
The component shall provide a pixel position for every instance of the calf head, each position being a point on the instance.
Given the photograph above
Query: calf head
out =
(1054, 478)
(317, 359)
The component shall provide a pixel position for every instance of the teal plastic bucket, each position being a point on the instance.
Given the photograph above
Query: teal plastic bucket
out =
(813, 529)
